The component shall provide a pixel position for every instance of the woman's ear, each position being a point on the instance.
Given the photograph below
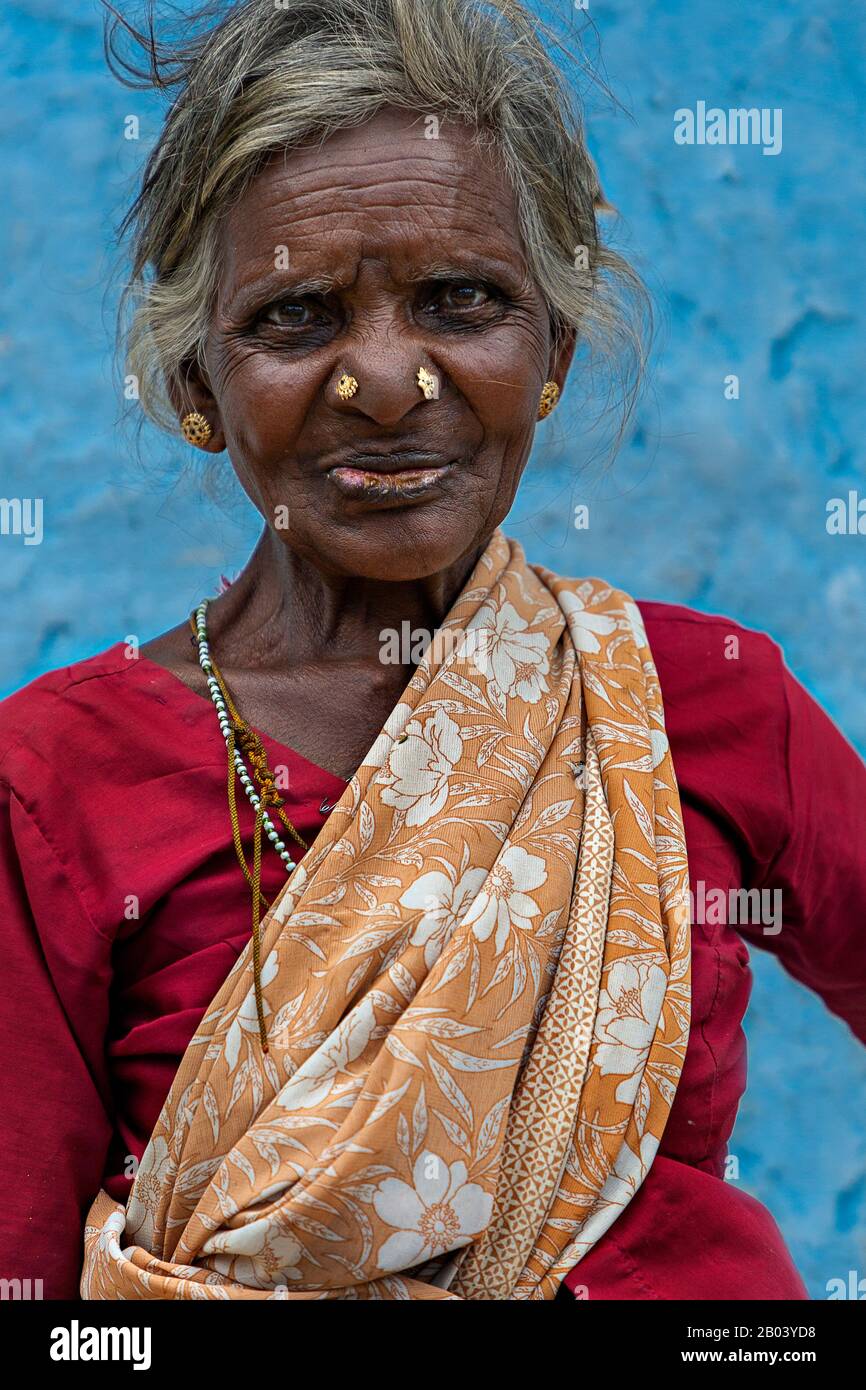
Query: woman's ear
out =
(561, 355)
(189, 391)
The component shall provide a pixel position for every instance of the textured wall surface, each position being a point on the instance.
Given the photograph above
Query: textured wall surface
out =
(756, 265)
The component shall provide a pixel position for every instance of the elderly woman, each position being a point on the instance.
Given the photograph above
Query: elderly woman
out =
(343, 976)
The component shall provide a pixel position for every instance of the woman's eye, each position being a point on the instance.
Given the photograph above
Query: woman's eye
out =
(289, 313)
(458, 298)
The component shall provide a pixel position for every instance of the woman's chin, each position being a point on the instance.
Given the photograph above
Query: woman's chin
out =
(396, 544)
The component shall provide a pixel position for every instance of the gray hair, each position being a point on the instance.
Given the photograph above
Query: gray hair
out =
(259, 76)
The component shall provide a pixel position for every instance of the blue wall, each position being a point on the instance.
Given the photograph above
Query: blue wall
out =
(756, 266)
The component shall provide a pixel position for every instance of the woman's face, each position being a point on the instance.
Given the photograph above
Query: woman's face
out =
(378, 253)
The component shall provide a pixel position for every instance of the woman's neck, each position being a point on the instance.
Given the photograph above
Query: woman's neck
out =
(283, 611)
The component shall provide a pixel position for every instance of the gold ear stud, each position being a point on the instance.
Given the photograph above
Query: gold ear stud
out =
(195, 429)
(346, 387)
(427, 383)
(547, 401)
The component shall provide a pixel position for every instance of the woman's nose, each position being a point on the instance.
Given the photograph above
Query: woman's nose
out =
(383, 386)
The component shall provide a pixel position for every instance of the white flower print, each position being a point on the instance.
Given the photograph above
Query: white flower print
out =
(258, 1255)
(503, 902)
(629, 1007)
(584, 625)
(621, 1184)
(286, 906)
(658, 746)
(442, 1211)
(393, 725)
(419, 767)
(504, 651)
(246, 1019)
(150, 1182)
(635, 617)
(315, 1079)
(443, 904)
(106, 1245)
(629, 1171)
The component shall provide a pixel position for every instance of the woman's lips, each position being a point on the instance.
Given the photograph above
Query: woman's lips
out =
(373, 485)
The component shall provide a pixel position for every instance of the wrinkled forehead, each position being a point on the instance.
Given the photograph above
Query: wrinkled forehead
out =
(403, 187)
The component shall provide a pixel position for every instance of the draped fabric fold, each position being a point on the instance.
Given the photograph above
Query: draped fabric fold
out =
(476, 990)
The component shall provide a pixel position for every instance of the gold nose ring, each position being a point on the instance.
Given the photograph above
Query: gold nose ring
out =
(346, 387)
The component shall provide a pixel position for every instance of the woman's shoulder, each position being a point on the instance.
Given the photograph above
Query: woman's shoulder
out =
(710, 636)
(725, 692)
(33, 711)
(745, 732)
(104, 703)
(715, 663)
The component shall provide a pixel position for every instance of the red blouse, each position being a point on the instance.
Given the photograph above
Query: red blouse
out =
(122, 908)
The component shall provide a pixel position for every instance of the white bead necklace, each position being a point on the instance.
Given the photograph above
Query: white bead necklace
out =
(225, 724)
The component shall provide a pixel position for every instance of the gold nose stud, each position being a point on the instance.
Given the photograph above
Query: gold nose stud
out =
(427, 383)
(346, 387)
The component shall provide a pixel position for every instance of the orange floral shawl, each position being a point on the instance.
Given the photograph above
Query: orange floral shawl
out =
(476, 987)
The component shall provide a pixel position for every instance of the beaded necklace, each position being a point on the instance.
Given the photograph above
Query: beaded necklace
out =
(240, 739)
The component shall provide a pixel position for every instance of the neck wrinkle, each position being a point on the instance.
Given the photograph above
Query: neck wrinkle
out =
(283, 611)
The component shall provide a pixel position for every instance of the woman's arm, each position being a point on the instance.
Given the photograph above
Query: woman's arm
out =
(54, 1097)
(815, 886)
